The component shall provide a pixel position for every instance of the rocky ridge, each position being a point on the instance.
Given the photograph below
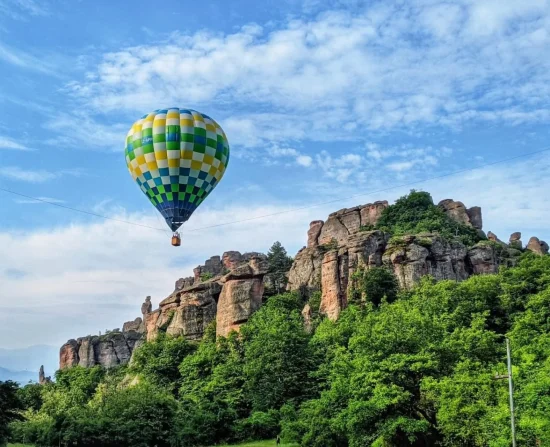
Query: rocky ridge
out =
(346, 242)
(229, 288)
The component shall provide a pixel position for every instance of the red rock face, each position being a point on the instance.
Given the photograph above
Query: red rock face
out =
(371, 212)
(331, 299)
(68, 354)
(239, 299)
(151, 325)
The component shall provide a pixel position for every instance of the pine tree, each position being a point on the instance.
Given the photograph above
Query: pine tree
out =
(279, 265)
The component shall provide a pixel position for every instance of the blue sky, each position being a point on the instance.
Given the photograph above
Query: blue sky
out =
(320, 100)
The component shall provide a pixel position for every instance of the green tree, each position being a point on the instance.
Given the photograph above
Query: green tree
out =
(31, 396)
(277, 361)
(279, 265)
(10, 407)
(373, 285)
(159, 360)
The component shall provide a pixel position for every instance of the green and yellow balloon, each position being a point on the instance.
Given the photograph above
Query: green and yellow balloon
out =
(177, 157)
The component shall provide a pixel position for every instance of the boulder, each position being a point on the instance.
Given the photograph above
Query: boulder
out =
(483, 259)
(537, 247)
(456, 211)
(493, 237)
(515, 240)
(146, 307)
(182, 283)
(305, 272)
(231, 259)
(351, 219)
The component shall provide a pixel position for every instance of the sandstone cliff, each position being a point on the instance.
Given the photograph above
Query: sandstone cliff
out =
(228, 289)
(345, 242)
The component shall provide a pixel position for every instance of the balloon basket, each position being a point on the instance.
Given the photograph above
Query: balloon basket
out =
(176, 240)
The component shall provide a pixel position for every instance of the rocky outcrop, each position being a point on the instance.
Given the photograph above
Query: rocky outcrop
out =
(185, 312)
(108, 350)
(333, 299)
(146, 307)
(342, 244)
(229, 297)
(515, 240)
(457, 211)
(307, 315)
(493, 237)
(68, 354)
(241, 295)
(305, 272)
(134, 326)
(537, 246)
(42, 379)
(412, 257)
(314, 232)
(228, 289)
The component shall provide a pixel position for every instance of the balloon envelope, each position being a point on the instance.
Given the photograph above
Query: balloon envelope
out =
(177, 157)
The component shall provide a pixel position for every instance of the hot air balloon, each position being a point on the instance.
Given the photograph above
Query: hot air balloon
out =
(177, 157)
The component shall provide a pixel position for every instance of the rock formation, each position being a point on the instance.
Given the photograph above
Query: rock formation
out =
(228, 289)
(42, 379)
(515, 240)
(457, 211)
(108, 350)
(230, 297)
(337, 247)
(537, 246)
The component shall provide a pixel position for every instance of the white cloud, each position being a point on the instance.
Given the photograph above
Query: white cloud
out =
(385, 65)
(8, 143)
(35, 176)
(80, 129)
(304, 160)
(25, 60)
(21, 9)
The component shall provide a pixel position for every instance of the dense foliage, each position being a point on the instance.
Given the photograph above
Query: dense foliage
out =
(279, 264)
(412, 368)
(417, 213)
(10, 403)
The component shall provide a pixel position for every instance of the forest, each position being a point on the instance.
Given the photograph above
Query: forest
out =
(398, 368)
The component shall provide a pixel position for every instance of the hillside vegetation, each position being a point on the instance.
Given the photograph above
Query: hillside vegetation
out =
(398, 368)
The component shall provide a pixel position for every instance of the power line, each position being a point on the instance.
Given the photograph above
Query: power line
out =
(78, 210)
(450, 174)
(376, 191)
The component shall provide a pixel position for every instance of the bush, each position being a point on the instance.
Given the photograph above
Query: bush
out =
(374, 285)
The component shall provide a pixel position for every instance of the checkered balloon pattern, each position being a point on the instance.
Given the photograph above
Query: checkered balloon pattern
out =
(177, 157)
